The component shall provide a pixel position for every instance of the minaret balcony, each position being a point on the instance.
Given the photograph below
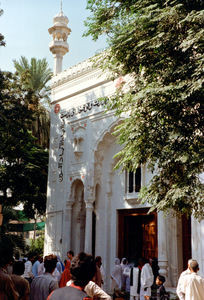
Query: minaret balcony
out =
(56, 46)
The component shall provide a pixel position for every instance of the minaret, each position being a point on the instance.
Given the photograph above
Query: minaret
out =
(59, 46)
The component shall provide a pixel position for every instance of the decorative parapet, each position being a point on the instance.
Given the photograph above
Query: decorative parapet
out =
(73, 72)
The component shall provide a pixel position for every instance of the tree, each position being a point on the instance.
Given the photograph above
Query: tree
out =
(37, 74)
(23, 167)
(2, 42)
(23, 163)
(157, 48)
(15, 241)
(34, 77)
(37, 246)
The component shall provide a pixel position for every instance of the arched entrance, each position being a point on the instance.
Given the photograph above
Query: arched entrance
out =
(94, 218)
(78, 217)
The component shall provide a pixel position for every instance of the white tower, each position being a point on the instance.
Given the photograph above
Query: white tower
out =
(59, 46)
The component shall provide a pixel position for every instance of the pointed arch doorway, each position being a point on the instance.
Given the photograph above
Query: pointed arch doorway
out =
(94, 217)
(78, 217)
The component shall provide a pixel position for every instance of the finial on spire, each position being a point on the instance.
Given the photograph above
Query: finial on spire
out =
(61, 5)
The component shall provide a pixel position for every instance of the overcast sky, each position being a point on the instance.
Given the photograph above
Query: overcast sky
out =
(25, 24)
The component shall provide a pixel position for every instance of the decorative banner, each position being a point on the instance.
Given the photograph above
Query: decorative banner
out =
(61, 151)
(83, 108)
(71, 113)
(57, 108)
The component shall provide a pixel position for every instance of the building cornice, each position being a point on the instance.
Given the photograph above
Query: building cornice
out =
(76, 71)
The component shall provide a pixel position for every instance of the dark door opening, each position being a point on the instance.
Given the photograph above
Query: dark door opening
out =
(93, 233)
(186, 240)
(137, 234)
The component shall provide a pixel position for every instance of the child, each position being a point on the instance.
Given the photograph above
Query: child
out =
(162, 294)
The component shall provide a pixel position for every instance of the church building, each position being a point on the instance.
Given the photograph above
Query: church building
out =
(90, 206)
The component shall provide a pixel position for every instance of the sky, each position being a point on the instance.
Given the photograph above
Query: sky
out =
(25, 24)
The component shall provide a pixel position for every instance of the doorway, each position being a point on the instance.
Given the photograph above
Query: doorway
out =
(186, 240)
(78, 217)
(137, 234)
(93, 233)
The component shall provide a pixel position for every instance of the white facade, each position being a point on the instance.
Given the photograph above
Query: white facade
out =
(89, 207)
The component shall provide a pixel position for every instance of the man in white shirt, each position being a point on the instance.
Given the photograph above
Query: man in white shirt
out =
(180, 281)
(135, 282)
(28, 269)
(147, 279)
(193, 284)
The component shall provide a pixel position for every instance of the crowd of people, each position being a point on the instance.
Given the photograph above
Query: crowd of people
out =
(82, 277)
(142, 281)
(138, 280)
(79, 277)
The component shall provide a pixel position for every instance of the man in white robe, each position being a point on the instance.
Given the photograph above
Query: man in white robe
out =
(116, 276)
(180, 281)
(135, 274)
(193, 284)
(147, 279)
(126, 274)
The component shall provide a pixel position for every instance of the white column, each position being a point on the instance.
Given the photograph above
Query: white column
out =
(67, 227)
(109, 224)
(162, 246)
(134, 182)
(128, 182)
(175, 257)
(58, 63)
(197, 236)
(88, 228)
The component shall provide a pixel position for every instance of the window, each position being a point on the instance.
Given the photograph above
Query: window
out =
(133, 181)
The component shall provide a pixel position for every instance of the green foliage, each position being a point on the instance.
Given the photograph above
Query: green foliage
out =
(12, 240)
(23, 168)
(23, 162)
(37, 245)
(2, 42)
(157, 46)
(35, 75)
(34, 78)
